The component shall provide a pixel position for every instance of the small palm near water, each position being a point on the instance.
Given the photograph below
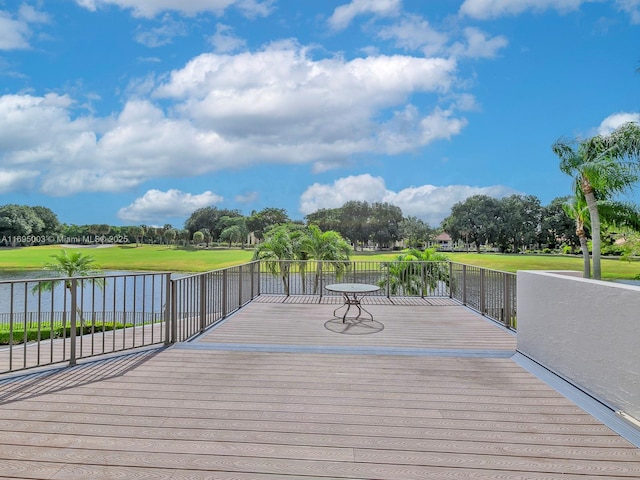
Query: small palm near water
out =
(74, 264)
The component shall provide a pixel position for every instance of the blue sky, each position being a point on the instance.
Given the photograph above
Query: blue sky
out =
(141, 111)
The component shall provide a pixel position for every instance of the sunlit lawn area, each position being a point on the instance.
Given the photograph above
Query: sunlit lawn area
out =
(611, 267)
(129, 257)
(177, 259)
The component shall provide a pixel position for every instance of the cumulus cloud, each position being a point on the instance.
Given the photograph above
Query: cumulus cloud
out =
(163, 34)
(15, 30)
(478, 45)
(150, 8)
(249, 197)
(344, 14)
(615, 120)
(14, 34)
(224, 41)
(11, 180)
(427, 202)
(631, 7)
(35, 129)
(364, 188)
(299, 109)
(485, 9)
(432, 204)
(29, 14)
(413, 32)
(157, 206)
(230, 111)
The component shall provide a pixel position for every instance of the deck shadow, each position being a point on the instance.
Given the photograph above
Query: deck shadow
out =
(56, 379)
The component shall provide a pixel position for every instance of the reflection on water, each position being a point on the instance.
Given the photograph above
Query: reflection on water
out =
(126, 291)
(629, 282)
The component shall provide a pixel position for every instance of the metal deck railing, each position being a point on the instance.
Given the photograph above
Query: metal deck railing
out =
(58, 320)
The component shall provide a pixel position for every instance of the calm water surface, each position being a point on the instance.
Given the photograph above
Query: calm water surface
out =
(146, 291)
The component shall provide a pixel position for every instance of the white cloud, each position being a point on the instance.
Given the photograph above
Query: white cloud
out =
(276, 105)
(428, 202)
(150, 8)
(157, 206)
(14, 34)
(613, 121)
(224, 41)
(414, 32)
(478, 45)
(163, 34)
(289, 106)
(631, 7)
(33, 128)
(30, 15)
(249, 197)
(344, 14)
(364, 188)
(485, 9)
(15, 31)
(11, 180)
(432, 204)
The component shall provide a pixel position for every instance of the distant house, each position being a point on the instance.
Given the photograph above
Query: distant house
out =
(443, 242)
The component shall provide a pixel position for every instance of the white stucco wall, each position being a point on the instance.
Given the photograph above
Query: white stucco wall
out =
(587, 331)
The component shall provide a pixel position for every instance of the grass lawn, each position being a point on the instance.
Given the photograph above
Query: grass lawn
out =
(176, 259)
(612, 268)
(129, 257)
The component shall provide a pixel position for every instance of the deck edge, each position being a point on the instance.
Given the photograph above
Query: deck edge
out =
(597, 409)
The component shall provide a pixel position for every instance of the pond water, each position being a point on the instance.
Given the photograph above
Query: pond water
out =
(629, 282)
(128, 291)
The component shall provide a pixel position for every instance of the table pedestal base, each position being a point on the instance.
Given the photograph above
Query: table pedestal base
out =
(349, 301)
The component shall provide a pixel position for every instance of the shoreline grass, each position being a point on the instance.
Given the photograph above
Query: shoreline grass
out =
(193, 260)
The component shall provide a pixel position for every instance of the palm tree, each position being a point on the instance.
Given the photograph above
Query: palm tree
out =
(610, 212)
(416, 272)
(75, 264)
(606, 164)
(576, 208)
(325, 246)
(278, 246)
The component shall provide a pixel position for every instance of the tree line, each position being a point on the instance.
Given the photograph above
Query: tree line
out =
(510, 224)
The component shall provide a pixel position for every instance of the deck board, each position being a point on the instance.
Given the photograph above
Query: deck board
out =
(414, 405)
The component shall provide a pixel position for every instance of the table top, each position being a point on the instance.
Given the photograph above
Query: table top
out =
(352, 288)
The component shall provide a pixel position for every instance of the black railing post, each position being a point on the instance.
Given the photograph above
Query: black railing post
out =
(483, 293)
(464, 284)
(169, 318)
(388, 282)
(252, 269)
(203, 302)
(320, 278)
(506, 301)
(73, 336)
(174, 313)
(259, 279)
(239, 286)
(224, 293)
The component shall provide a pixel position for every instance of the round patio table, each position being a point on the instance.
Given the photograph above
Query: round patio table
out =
(352, 294)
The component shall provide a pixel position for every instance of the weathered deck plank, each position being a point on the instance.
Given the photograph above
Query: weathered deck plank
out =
(451, 327)
(412, 409)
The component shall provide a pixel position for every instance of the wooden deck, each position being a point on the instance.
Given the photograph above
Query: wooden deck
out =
(276, 393)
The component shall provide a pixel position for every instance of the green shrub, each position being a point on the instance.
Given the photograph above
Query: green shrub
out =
(58, 332)
(86, 329)
(616, 250)
(18, 335)
(567, 249)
